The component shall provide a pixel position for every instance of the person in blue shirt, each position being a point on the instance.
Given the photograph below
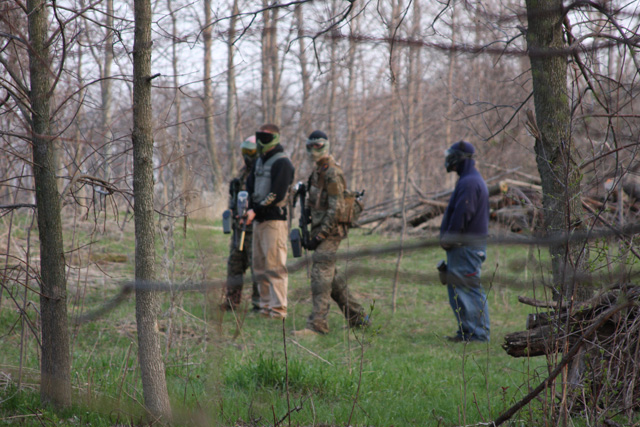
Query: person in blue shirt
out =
(463, 234)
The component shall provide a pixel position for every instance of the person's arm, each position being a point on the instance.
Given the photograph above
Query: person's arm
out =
(462, 211)
(335, 186)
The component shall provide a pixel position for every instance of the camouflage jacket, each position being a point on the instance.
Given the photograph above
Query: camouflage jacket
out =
(326, 197)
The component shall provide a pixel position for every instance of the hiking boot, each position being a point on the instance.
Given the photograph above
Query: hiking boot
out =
(454, 338)
(273, 314)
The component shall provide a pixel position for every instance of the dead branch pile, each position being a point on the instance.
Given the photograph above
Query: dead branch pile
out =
(515, 205)
(609, 364)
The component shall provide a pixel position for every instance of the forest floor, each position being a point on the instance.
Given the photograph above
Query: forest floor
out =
(244, 370)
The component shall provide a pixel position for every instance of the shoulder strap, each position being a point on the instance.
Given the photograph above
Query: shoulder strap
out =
(273, 159)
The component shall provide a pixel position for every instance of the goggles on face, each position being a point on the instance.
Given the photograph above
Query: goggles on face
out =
(249, 152)
(265, 138)
(315, 145)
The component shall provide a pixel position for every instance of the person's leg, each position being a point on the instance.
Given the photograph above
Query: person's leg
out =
(235, 271)
(457, 310)
(472, 312)
(352, 310)
(276, 273)
(466, 295)
(258, 261)
(322, 273)
(248, 259)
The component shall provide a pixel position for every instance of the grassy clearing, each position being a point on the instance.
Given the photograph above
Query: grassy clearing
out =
(230, 369)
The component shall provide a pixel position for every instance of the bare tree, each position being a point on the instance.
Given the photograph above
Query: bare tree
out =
(154, 383)
(231, 89)
(353, 130)
(555, 151)
(271, 72)
(55, 386)
(208, 101)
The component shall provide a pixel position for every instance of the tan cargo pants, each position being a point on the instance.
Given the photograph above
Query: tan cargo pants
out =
(270, 264)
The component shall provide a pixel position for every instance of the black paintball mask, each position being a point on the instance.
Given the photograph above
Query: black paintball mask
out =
(453, 157)
(266, 141)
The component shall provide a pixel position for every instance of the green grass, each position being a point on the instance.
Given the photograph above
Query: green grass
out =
(223, 370)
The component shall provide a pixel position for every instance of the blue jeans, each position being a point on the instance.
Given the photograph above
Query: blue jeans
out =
(466, 295)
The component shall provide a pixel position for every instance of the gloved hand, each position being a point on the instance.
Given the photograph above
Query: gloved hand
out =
(313, 243)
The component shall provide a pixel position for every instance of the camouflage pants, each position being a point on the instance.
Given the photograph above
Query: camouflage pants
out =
(237, 264)
(327, 284)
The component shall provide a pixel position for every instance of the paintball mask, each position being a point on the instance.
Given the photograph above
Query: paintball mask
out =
(456, 154)
(267, 140)
(317, 145)
(249, 151)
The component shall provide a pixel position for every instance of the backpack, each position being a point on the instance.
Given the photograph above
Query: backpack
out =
(353, 207)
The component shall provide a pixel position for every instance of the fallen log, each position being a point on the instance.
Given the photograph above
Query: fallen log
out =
(530, 343)
(546, 332)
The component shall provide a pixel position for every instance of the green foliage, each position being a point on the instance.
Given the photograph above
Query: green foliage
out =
(271, 373)
(231, 368)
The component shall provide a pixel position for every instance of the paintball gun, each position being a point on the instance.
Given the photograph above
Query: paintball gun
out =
(227, 216)
(299, 237)
(242, 205)
(226, 221)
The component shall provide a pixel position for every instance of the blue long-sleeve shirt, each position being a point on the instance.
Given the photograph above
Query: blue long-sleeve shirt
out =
(467, 213)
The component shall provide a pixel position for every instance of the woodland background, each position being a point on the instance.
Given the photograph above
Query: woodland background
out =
(134, 111)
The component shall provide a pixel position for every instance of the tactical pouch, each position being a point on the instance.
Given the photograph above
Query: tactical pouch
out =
(226, 221)
(296, 242)
(353, 207)
(442, 271)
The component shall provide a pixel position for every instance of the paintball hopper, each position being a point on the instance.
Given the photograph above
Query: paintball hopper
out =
(241, 207)
(242, 203)
(226, 221)
(296, 242)
(442, 270)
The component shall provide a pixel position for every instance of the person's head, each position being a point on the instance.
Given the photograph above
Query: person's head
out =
(457, 155)
(249, 151)
(317, 145)
(267, 137)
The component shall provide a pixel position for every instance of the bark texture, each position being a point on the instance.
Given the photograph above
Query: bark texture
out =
(154, 384)
(208, 101)
(55, 368)
(559, 173)
(231, 90)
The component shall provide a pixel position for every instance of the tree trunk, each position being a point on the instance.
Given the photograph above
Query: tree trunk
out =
(304, 124)
(231, 90)
(209, 110)
(452, 177)
(183, 170)
(352, 123)
(105, 93)
(154, 385)
(266, 95)
(55, 369)
(276, 72)
(395, 113)
(559, 173)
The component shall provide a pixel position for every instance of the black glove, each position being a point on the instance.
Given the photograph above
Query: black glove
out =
(313, 243)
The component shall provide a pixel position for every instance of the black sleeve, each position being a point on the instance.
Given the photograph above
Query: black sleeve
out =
(282, 174)
(251, 179)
